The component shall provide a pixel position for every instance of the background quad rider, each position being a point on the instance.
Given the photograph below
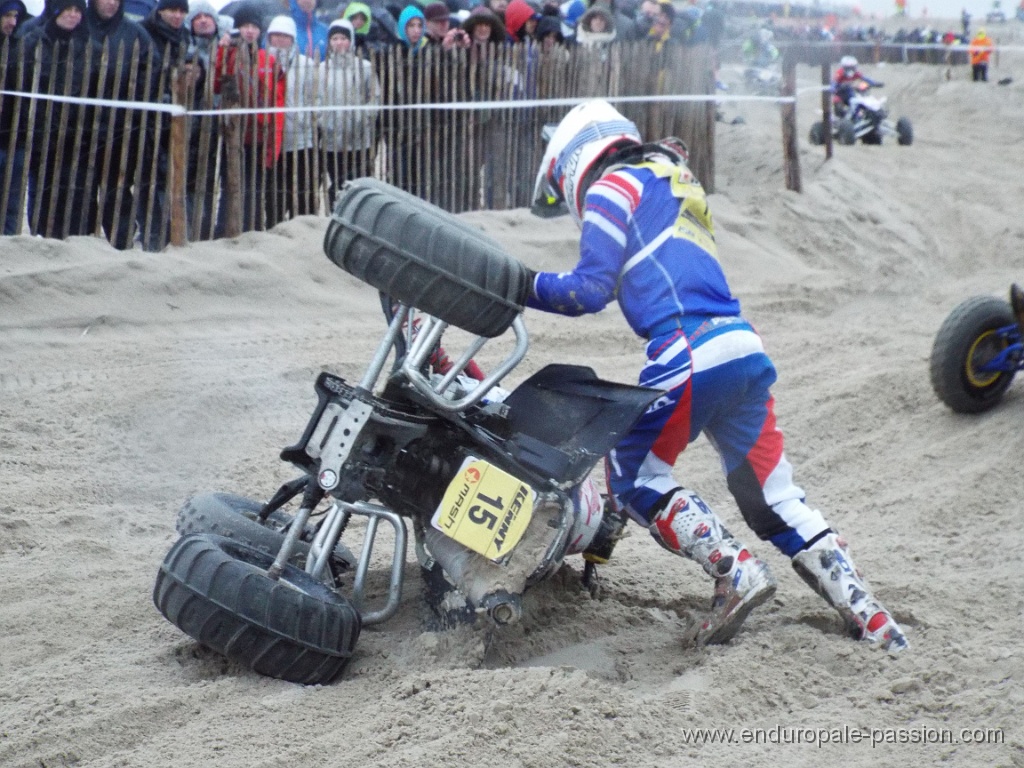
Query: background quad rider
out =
(843, 82)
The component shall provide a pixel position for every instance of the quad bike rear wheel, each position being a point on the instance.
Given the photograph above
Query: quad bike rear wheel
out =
(904, 132)
(967, 340)
(817, 135)
(217, 592)
(875, 137)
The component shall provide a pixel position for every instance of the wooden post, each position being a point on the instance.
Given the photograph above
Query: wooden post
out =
(789, 142)
(826, 107)
(231, 97)
(178, 163)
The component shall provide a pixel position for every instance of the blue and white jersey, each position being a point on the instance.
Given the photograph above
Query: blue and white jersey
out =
(647, 242)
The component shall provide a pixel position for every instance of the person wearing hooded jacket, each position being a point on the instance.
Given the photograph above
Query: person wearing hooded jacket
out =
(376, 29)
(112, 199)
(596, 27)
(348, 137)
(295, 181)
(203, 25)
(549, 32)
(595, 32)
(403, 84)
(61, 42)
(520, 21)
(13, 13)
(310, 32)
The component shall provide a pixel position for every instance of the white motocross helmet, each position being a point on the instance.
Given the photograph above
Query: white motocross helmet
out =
(849, 65)
(580, 140)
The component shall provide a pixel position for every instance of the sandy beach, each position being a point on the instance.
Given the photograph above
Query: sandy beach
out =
(130, 381)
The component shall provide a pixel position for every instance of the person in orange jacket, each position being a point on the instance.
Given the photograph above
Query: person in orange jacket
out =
(981, 51)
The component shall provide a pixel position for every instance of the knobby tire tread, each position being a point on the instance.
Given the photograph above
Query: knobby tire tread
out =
(232, 516)
(957, 333)
(217, 591)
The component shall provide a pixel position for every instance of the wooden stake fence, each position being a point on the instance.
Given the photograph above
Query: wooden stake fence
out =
(164, 179)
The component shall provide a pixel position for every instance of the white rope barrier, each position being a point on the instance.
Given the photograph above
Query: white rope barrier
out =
(147, 106)
(178, 111)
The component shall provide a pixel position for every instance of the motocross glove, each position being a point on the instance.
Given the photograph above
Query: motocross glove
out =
(527, 292)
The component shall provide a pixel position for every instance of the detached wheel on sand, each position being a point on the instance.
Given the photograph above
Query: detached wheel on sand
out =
(217, 592)
(967, 340)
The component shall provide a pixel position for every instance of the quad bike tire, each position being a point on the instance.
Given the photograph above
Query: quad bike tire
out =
(424, 257)
(236, 517)
(846, 133)
(967, 339)
(217, 592)
(904, 132)
(817, 134)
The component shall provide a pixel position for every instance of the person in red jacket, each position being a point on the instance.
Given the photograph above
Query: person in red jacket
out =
(843, 82)
(520, 20)
(244, 67)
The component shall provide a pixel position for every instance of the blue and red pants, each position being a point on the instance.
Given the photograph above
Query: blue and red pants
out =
(718, 381)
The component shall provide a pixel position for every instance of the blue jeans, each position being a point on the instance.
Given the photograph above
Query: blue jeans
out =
(16, 160)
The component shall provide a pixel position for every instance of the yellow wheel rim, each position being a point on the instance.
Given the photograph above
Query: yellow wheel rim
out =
(984, 348)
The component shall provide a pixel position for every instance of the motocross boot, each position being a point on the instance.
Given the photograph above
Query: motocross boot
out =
(688, 527)
(829, 570)
(612, 528)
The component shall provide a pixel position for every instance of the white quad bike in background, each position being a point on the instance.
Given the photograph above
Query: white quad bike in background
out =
(762, 80)
(866, 117)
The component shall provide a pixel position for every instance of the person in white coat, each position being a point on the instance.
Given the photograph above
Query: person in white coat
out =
(295, 184)
(348, 135)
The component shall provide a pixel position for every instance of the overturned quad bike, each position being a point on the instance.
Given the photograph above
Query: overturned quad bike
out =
(493, 486)
(978, 350)
(866, 118)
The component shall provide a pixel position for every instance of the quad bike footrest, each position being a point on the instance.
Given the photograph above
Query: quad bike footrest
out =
(374, 514)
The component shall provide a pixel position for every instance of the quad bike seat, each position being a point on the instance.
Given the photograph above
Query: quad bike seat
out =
(565, 418)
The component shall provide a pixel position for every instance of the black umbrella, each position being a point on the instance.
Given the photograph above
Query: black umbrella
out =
(268, 9)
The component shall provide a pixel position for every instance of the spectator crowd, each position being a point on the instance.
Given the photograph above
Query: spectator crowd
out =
(96, 169)
(343, 77)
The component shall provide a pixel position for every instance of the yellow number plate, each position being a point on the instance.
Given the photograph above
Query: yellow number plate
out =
(485, 509)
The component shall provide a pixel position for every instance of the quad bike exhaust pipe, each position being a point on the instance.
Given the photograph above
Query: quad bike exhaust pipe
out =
(503, 607)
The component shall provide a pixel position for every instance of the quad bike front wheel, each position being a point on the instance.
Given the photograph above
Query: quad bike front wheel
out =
(237, 517)
(217, 591)
(846, 132)
(968, 339)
